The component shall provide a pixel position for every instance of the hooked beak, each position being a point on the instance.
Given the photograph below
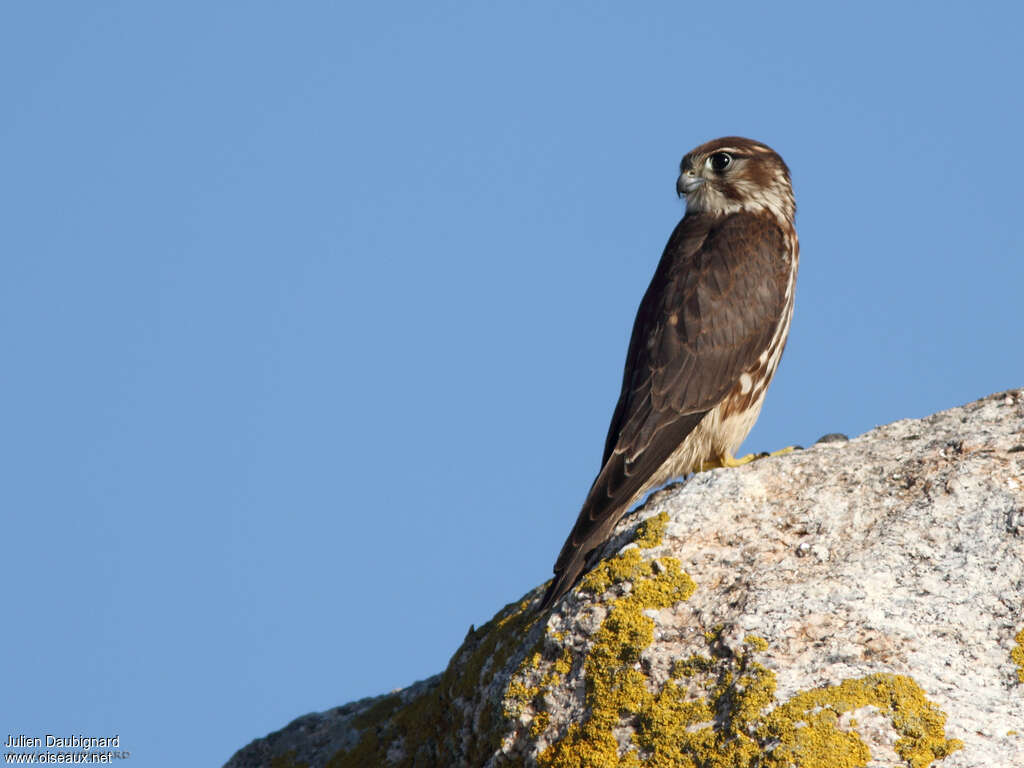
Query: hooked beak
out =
(687, 183)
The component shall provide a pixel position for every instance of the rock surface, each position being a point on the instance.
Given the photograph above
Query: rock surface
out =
(857, 603)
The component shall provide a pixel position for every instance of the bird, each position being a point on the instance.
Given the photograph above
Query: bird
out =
(706, 342)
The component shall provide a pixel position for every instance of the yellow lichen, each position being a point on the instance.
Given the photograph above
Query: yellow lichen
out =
(719, 710)
(519, 696)
(702, 714)
(615, 683)
(1017, 655)
(755, 642)
(540, 724)
(807, 724)
(651, 531)
(716, 710)
(717, 713)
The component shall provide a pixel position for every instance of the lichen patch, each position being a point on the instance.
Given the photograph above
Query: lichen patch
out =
(430, 729)
(718, 709)
(1017, 655)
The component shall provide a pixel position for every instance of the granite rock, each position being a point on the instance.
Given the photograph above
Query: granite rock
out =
(857, 603)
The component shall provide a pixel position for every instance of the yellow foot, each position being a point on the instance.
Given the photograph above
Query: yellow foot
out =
(729, 461)
(781, 451)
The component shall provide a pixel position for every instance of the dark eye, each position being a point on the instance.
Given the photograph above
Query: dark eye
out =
(720, 161)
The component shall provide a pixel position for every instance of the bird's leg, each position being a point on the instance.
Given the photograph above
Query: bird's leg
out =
(780, 452)
(726, 460)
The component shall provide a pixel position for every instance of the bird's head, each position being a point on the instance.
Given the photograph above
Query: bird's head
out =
(735, 174)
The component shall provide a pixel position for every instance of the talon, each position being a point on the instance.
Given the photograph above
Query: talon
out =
(725, 461)
(733, 462)
(729, 461)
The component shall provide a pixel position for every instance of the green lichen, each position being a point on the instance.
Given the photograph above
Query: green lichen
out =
(719, 710)
(287, 760)
(1017, 655)
(430, 730)
(378, 712)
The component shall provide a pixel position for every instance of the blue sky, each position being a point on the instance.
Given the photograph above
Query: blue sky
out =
(313, 315)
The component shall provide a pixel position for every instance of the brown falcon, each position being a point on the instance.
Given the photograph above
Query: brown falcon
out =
(706, 341)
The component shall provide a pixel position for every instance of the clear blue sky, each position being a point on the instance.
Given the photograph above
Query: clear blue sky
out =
(313, 315)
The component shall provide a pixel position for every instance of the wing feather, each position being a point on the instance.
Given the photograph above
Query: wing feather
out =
(711, 308)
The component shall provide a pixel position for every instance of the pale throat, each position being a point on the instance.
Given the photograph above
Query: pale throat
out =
(776, 199)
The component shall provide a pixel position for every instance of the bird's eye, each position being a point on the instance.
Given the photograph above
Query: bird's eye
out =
(720, 161)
